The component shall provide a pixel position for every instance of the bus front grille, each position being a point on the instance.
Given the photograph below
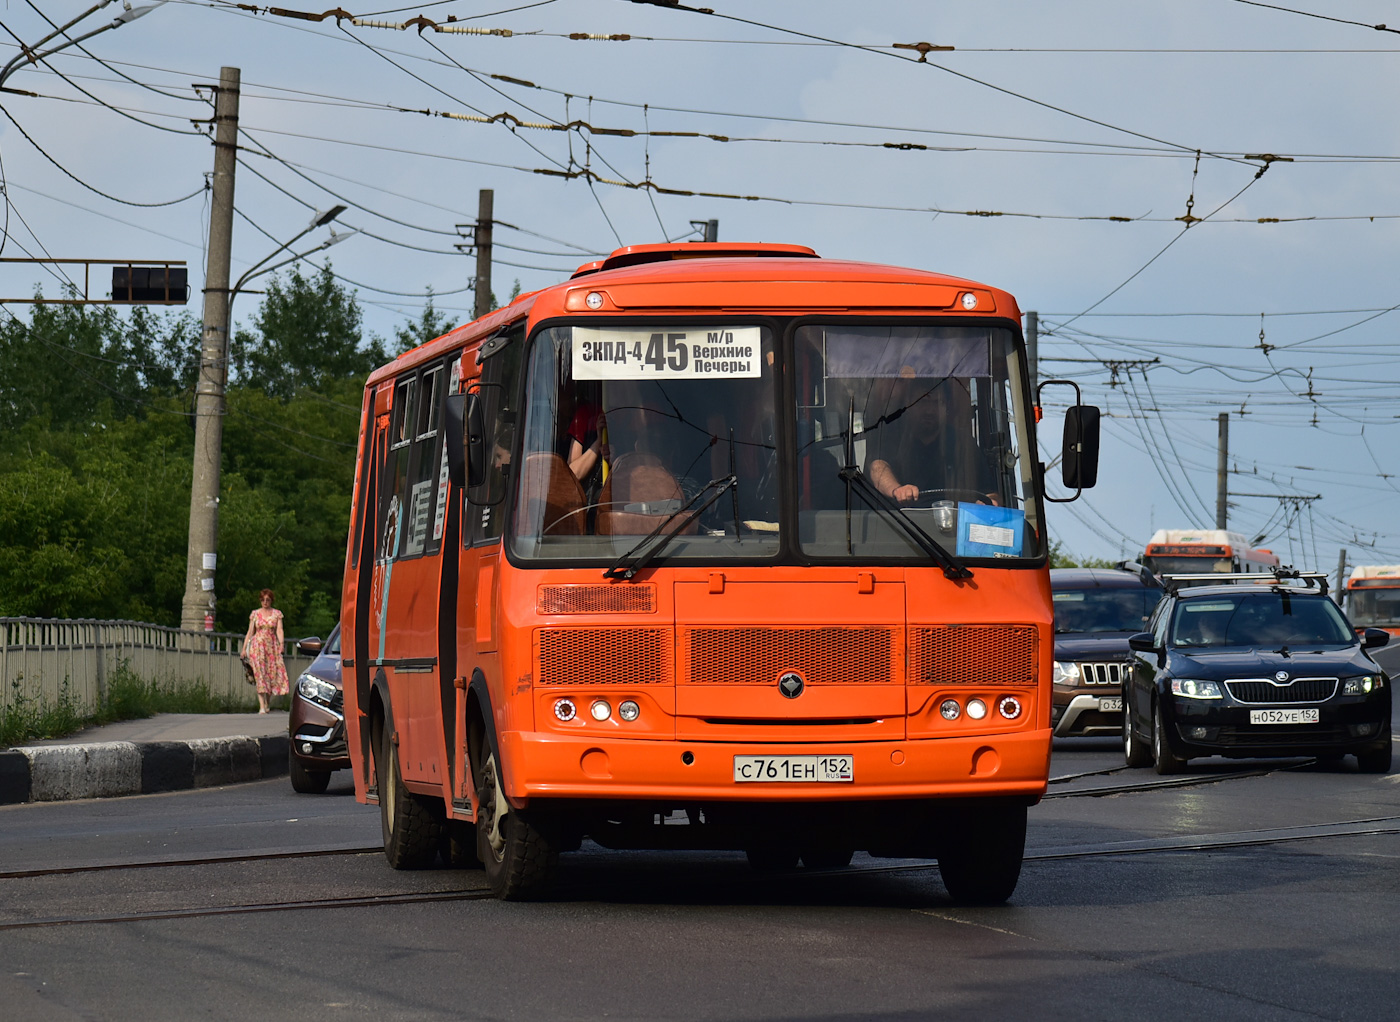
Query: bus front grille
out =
(631, 598)
(758, 656)
(973, 655)
(603, 656)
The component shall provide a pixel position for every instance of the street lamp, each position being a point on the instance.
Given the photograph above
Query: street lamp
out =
(27, 53)
(321, 219)
(208, 425)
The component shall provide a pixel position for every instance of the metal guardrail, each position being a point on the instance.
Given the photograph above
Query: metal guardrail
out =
(41, 657)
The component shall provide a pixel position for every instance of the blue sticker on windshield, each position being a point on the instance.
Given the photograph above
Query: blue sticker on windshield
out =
(985, 530)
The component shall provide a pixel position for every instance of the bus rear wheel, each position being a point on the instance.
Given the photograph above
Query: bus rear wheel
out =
(412, 830)
(983, 862)
(518, 850)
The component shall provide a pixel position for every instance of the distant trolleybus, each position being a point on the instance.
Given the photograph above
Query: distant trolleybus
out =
(1373, 597)
(711, 546)
(1198, 551)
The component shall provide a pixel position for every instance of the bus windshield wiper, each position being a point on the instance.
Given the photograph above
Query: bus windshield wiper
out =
(857, 481)
(625, 567)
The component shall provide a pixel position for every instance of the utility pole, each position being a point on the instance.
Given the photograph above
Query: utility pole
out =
(709, 229)
(1341, 576)
(197, 610)
(482, 239)
(1032, 346)
(1222, 472)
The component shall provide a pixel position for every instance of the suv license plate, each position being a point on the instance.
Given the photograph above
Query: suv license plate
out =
(793, 769)
(1308, 716)
(1110, 705)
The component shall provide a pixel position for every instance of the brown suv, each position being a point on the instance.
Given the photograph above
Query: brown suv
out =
(316, 725)
(1096, 609)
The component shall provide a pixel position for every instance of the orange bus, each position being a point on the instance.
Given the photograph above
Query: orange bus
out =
(1198, 551)
(711, 546)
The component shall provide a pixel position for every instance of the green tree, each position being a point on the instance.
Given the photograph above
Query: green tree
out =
(430, 325)
(307, 333)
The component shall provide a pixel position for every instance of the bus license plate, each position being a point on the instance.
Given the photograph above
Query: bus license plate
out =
(1110, 705)
(793, 769)
(1307, 716)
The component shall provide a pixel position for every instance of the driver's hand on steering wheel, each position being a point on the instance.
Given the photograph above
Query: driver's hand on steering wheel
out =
(906, 494)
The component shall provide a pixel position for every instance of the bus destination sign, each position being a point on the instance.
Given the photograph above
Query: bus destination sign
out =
(676, 352)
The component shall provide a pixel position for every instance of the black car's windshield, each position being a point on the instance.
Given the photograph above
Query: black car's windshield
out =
(1266, 619)
(1104, 610)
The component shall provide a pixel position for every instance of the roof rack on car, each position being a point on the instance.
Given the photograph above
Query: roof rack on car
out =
(1274, 576)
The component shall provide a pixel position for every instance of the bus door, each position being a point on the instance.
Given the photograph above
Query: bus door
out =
(496, 390)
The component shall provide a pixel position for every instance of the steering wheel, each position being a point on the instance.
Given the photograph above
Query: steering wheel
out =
(955, 493)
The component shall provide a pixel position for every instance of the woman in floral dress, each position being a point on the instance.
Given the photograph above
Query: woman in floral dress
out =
(262, 647)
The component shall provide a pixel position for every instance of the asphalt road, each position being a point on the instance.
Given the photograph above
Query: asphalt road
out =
(1206, 901)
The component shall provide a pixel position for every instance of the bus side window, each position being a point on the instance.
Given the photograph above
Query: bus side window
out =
(500, 396)
(392, 483)
(423, 463)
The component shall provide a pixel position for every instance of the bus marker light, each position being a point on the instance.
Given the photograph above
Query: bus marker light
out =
(976, 709)
(600, 709)
(629, 710)
(595, 300)
(969, 300)
(1009, 707)
(950, 709)
(565, 709)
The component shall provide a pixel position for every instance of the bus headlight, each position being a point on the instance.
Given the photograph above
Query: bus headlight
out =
(629, 710)
(950, 709)
(976, 709)
(600, 709)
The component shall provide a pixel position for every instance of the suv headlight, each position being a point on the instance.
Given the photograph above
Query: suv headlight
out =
(1066, 673)
(1190, 688)
(316, 690)
(1363, 685)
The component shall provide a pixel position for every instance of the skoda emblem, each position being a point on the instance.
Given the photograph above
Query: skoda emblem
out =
(791, 685)
(1280, 675)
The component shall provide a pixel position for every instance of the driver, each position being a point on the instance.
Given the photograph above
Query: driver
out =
(926, 446)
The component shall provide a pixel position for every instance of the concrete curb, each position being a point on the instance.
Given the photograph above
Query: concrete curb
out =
(52, 773)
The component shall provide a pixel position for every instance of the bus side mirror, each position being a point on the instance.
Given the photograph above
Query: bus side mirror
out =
(476, 441)
(1081, 447)
(453, 412)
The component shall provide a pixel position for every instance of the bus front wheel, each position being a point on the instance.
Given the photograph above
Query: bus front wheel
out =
(518, 850)
(983, 861)
(412, 830)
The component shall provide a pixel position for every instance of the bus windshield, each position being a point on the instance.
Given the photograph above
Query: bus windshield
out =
(1186, 565)
(626, 425)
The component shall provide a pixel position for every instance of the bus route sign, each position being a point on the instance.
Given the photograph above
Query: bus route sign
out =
(675, 352)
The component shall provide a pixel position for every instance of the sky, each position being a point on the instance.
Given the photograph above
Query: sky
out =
(1199, 199)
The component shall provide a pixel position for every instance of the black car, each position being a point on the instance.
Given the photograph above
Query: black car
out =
(1096, 611)
(316, 725)
(1257, 667)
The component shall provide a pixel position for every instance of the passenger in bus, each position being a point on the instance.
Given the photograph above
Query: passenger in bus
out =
(923, 446)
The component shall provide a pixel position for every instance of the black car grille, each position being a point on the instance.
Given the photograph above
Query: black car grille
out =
(1110, 673)
(1303, 690)
(1312, 734)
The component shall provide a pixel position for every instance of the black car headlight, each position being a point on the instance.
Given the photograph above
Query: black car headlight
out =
(1364, 685)
(1192, 688)
(317, 691)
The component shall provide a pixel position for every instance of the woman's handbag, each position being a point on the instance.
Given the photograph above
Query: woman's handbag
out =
(248, 675)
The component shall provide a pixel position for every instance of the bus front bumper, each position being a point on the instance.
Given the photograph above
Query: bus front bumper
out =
(543, 765)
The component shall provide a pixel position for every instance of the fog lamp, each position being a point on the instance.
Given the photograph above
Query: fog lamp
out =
(629, 710)
(600, 709)
(976, 709)
(565, 709)
(950, 709)
(1009, 707)
(1362, 730)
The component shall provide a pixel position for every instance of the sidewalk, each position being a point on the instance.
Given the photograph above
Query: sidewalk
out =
(167, 752)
